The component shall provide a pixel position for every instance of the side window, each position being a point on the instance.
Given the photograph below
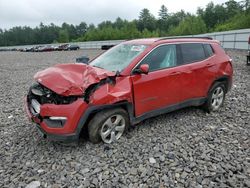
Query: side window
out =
(192, 52)
(208, 50)
(161, 57)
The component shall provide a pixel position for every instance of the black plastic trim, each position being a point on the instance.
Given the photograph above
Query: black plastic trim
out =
(225, 79)
(94, 109)
(54, 123)
(57, 137)
(130, 109)
(186, 37)
(191, 102)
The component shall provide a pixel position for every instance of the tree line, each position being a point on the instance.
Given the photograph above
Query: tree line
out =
(220, 17)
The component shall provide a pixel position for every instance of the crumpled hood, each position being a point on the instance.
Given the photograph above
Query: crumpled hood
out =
(71, 79)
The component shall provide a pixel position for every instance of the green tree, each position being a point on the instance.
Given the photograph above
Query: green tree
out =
(239, 21)
(163, 20)
(63, 36)
(130, 31)
(146, 20)
(190, 26)
(81, 29)
(209, 16)
(176, 18)
(233, 8)
(119, 23)
(104, 24)
(246, 5)
(214, 17)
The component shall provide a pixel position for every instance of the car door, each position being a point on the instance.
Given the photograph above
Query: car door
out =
(194, 70)
(160, 87)
(210, 67)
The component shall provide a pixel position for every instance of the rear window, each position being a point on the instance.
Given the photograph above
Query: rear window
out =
(192, 52)
(208, 50)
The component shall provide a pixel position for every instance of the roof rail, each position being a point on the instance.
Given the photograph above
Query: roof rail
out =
(185, 37)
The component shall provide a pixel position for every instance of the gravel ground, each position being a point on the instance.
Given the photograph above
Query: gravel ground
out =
(187, 148)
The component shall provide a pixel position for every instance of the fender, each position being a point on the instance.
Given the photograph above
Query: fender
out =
(225, 79)
(94, 109)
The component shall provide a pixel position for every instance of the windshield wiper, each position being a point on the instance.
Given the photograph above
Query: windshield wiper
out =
(97, 66)
(117, 73)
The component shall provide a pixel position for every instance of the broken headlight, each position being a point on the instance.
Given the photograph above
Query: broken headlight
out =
(46, 96)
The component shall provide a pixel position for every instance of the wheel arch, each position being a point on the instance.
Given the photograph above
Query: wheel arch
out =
(222, 79)
(82, 127)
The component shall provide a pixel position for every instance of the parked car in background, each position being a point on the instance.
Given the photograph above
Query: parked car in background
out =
(37, 48)
(61, 47)
(82, 59)
(47, 48)
(67, 47)
(28, 49)
(106, 47)
(132, 81)
(72, 47)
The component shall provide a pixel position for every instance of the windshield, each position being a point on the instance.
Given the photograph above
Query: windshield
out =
(118, 57)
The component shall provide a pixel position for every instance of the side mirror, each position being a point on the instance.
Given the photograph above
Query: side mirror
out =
(143, 69)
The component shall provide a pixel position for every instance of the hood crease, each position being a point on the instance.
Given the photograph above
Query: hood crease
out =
(71, 79)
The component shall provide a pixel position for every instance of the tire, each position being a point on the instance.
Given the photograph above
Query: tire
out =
(216, 97)
(103, 126)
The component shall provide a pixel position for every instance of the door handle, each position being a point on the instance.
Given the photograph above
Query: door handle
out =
(174, 73)
(209, 65)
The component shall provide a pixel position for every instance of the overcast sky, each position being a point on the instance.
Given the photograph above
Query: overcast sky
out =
(32, 12)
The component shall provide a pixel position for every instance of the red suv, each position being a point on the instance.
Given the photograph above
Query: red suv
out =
(132, 81)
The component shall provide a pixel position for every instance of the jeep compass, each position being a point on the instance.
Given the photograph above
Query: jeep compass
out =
(130, 82)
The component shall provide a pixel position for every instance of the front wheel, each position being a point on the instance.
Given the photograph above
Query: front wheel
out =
(108, 126)
(216, 97)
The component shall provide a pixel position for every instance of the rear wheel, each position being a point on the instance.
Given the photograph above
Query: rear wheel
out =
(216, 97)
(108, 126)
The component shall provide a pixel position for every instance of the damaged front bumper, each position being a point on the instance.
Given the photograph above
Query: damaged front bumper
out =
(56, 122)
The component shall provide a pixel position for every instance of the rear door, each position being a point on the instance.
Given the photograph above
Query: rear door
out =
(161, 86)
(196, 73)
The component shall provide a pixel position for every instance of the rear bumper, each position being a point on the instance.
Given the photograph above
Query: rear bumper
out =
(69, 131)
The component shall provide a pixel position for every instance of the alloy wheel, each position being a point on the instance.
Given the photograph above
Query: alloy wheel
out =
(217, 98)
(113, 128)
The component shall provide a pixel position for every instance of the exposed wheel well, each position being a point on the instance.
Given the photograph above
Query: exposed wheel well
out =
(223, 79)
(121, 104)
